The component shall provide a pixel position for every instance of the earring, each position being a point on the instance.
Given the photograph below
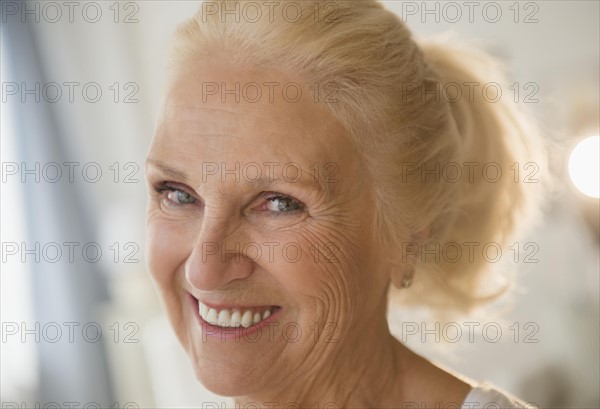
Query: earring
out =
(406, 282)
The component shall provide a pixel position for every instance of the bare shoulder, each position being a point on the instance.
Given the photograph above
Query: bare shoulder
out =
(486, 394)
(428, 384)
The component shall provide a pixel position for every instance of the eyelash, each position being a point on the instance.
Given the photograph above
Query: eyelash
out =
(166, 187)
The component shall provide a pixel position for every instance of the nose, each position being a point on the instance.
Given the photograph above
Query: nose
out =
(217, 256)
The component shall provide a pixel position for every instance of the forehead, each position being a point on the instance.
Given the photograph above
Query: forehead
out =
(220, 112)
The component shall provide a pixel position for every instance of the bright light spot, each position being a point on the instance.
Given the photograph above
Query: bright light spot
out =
(584, 166)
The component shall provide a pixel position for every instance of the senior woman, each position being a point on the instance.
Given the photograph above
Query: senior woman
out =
(297, 173)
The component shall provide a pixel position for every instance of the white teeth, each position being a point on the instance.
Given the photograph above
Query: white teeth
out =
(211, 316)
(247, 319)
(224, 318)
(227, 318)
(257, 318)
(236, 319)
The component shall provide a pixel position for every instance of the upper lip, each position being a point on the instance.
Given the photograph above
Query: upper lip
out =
(231, 306)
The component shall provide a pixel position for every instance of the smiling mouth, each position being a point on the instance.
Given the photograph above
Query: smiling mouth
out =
(235, 317)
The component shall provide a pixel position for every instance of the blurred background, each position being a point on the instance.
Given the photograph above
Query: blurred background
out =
(80, 93)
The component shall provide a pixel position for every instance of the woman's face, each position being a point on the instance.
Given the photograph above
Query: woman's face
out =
(258, 230)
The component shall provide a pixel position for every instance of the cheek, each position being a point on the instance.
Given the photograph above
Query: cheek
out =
(166, 250)
(320, 272)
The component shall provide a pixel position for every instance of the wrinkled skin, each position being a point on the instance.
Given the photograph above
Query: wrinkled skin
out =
(332, 293)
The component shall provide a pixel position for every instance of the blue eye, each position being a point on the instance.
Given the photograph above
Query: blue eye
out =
(283, 204)
(175, 196)
(180, 197)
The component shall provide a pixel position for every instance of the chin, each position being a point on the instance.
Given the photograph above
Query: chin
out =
(226, 382)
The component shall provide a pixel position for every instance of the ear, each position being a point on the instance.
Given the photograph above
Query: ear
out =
(401, 276)
(403, 267)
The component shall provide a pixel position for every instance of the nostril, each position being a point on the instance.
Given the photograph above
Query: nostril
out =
(208, 269)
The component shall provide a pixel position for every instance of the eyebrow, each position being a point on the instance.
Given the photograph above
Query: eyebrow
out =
(262, 181)
(168, 170)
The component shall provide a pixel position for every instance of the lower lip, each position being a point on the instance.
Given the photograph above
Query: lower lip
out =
(231, 333)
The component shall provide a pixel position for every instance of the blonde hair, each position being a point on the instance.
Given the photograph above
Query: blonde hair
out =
(399, 100)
